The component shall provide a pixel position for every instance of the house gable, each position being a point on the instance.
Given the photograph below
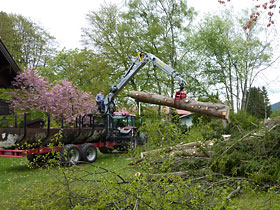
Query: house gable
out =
(8, 67)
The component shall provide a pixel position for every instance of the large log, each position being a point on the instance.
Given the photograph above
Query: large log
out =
(177, 147)
(189, 104)
(11, 138)
(191, 153)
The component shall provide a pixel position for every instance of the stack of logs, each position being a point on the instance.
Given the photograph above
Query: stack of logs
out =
(192, 149)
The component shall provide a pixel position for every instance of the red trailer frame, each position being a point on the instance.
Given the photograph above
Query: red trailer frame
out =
(17, 153)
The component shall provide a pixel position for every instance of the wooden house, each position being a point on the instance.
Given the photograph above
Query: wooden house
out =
(8, 70)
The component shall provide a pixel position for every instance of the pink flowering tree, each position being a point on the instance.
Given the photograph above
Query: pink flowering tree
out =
(62, 100)
(268, 7)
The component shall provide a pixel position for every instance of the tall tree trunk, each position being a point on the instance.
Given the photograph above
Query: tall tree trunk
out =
(189, 104)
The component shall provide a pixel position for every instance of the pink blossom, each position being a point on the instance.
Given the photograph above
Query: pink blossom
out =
(62, 100)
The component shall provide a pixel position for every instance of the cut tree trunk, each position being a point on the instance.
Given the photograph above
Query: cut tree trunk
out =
(177, 147)
(191, 153)
(181, 174)
(189, 104)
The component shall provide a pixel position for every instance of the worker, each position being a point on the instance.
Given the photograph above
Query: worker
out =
(119, 125)
(100, 101)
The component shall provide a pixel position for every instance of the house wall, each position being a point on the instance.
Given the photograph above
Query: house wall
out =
(187, 121)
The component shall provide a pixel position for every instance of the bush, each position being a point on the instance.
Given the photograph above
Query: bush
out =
(275, 114)
(256, 155)
(160, 133)
(241, 122)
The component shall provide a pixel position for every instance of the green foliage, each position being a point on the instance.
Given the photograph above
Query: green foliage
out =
(255, 155)
(160, 133)
(206, 128)
(258, 103)
(87, 70)
(29, 44)
(154, 186)
(4, 94)
(149, 26)
(100, 188)
(240, 122)
(275, 113)
(255, 198)
(228, 56)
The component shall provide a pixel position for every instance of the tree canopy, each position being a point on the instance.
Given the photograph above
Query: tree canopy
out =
(61, 100)
(217, 56)
(230, 57)
(29, 44)
(156, 27)
(258, 103)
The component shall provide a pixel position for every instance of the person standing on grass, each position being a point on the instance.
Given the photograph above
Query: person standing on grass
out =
(100, 101)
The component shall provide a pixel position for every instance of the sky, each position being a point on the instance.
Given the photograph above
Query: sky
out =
(64, 19)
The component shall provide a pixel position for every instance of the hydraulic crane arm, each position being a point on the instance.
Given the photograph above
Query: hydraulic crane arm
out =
(142, 59)
(166, 68)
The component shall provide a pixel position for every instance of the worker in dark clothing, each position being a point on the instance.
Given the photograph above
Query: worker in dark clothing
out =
(100, 101)
(119, 124)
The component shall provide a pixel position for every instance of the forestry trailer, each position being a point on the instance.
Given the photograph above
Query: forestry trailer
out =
(107, 130)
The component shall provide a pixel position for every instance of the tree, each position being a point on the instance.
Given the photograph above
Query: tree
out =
(29, 44)
(163, 25)
(152, 26)
(258, 103)
(110, 36)
(61, 100)
(85, 69)
(231, 58)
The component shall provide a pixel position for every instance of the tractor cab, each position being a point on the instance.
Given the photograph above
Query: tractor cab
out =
(124, 132)
(124, 120)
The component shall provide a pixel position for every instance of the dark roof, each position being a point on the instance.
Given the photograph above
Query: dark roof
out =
(8, 67)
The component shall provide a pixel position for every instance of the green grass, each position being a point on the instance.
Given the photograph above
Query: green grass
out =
(17, 179)
(16, 174)
(256, 200)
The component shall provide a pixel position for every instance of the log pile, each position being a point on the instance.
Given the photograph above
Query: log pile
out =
(11, 138)
(192, 149)
(189, 104)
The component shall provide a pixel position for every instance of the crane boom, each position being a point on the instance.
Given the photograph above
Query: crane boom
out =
(142, 59)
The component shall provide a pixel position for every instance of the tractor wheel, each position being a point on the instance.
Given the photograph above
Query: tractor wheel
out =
(88, 152)
(70, 153)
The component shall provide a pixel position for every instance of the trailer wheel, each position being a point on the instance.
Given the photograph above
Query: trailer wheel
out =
(70, 153)
(88, 152)
(33, 159)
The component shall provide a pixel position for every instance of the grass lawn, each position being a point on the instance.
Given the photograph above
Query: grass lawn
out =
(256, 200)
(16, 177)
(15, 173)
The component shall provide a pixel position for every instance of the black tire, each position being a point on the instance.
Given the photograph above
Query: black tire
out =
(39, 159)
(31, 158)
(88, 152)
(105, 150)
(70, 153)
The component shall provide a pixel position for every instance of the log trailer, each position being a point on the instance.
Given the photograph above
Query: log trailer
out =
(117, 130)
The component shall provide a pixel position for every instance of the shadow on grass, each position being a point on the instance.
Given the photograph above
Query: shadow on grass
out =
(20, 168)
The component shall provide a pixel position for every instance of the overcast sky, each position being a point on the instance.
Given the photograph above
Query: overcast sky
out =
(64, 19)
